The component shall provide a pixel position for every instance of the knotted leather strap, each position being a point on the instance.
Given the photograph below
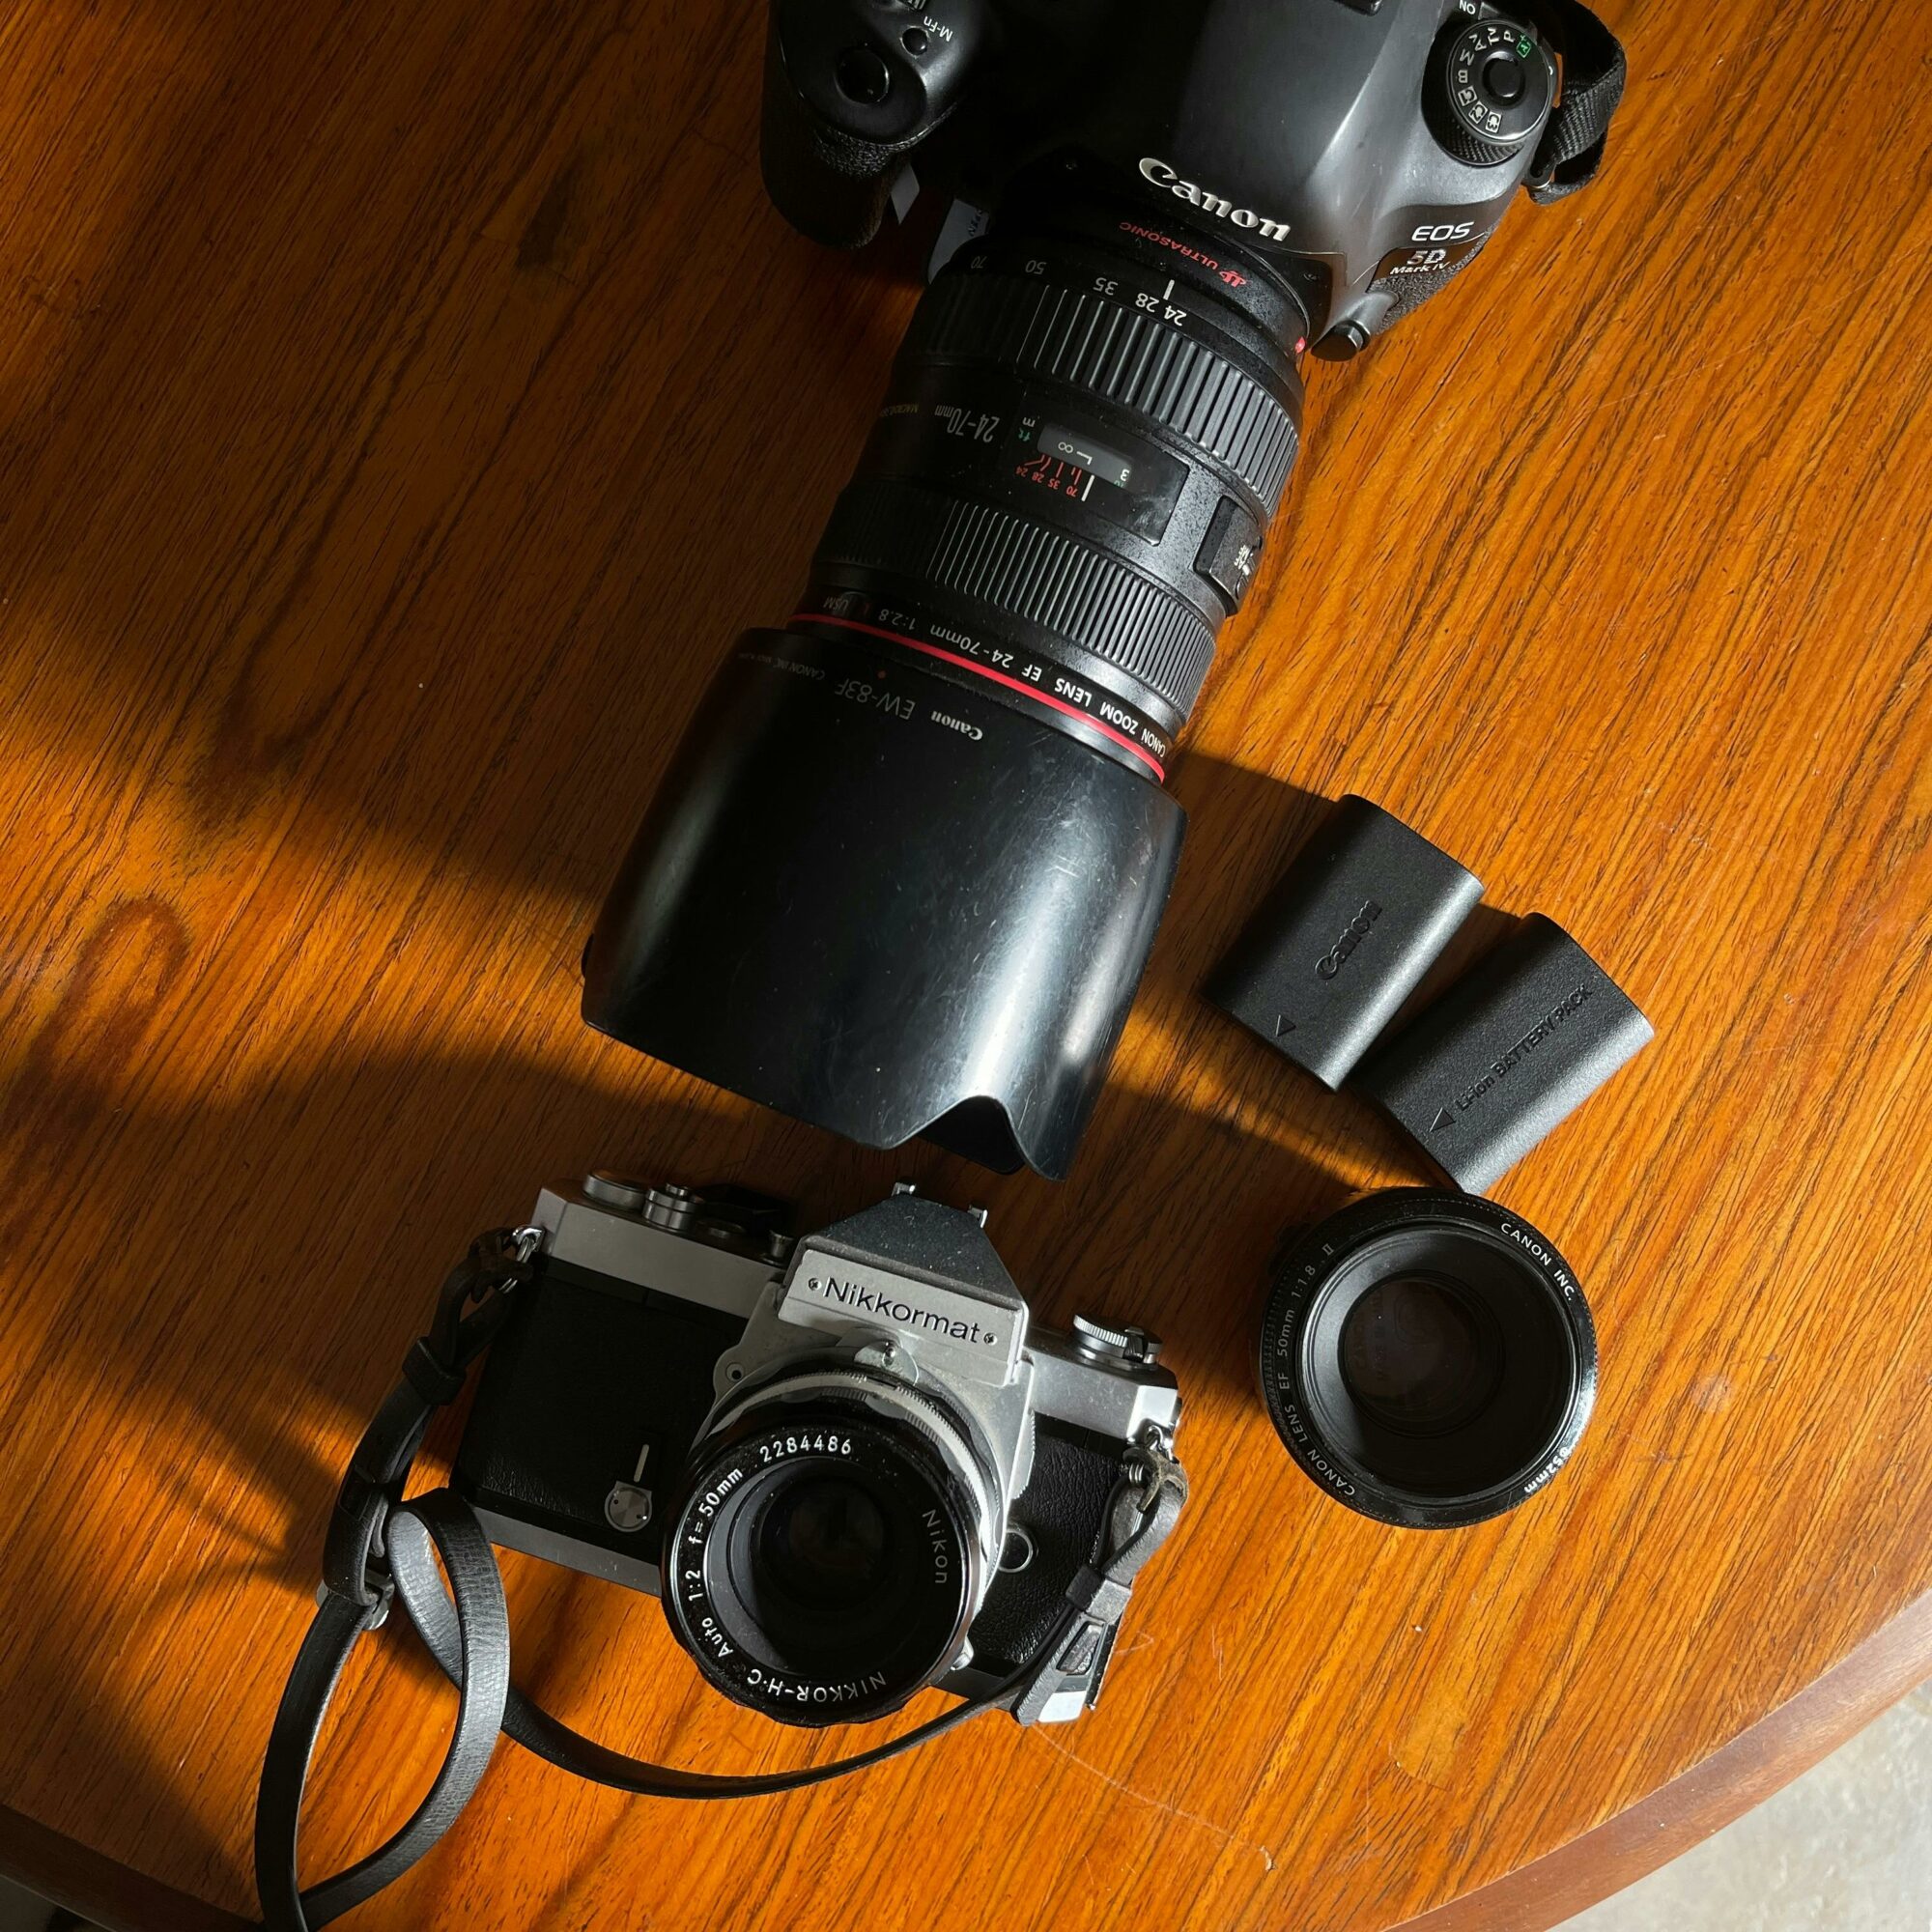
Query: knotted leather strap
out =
(478, 1613)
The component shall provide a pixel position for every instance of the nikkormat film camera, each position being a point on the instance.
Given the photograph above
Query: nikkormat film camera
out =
(846, 1462)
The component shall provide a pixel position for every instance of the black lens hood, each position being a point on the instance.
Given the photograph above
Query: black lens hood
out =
(1526, 1303)
(876, 901)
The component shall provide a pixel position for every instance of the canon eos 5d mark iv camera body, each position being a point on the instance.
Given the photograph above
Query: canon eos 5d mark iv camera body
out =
(903, 875)
(846, 1463)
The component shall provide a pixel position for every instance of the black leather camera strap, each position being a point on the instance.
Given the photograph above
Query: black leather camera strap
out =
(381, 1548)
(1572, 148)
(471, 1567)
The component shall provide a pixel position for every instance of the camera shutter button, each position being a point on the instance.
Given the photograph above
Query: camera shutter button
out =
(1502, 79)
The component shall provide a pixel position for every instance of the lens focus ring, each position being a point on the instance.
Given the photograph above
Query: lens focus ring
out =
(1123, 356)
(1026, 570)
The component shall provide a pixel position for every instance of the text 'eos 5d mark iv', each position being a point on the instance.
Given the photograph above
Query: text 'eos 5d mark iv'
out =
(925, 822)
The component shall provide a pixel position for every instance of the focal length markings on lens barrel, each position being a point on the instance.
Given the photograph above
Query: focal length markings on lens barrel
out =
(1066, 488)
(987, 434)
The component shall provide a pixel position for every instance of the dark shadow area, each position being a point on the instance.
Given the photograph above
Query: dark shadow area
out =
(87, 1892)
(416, 469)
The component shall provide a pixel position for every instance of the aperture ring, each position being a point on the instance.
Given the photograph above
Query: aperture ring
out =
(1028, 571)
(1127, 357)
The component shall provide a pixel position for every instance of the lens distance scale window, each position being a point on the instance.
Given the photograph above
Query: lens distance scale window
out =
(1015, 443)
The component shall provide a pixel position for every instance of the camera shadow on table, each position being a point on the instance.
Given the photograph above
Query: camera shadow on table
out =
(220, 1298)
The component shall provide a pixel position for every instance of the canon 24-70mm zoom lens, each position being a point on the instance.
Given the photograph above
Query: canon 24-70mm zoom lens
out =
(905, 874)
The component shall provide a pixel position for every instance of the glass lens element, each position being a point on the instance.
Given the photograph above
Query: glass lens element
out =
(825, 1545)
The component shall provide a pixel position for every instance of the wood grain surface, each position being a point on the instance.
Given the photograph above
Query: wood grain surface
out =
(401, 408)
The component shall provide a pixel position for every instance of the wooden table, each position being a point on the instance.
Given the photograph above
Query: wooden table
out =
(400, 409)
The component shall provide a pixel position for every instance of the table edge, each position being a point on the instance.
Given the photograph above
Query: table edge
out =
(1781, 1745)
(1784, 1742)
(99, 1888)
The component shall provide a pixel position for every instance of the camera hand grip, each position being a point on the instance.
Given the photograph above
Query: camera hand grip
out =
(851, 86)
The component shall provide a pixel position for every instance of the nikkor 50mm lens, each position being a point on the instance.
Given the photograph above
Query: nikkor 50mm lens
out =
(1427, 1358)
(824, 1560)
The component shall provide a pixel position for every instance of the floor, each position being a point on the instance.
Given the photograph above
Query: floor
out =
(1847, 1848)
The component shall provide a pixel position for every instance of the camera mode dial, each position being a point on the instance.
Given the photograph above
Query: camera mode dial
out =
(1489, 90)
(881, 72)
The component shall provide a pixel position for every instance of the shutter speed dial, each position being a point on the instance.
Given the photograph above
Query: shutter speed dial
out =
(1491, 89)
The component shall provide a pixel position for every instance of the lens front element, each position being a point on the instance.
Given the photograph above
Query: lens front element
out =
(824, 1547)
(1427, 1358)
(1420, 1354)
(823, 1562)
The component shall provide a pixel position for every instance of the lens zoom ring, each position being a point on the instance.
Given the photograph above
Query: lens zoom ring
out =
(1030, 571)
(1121, 355)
